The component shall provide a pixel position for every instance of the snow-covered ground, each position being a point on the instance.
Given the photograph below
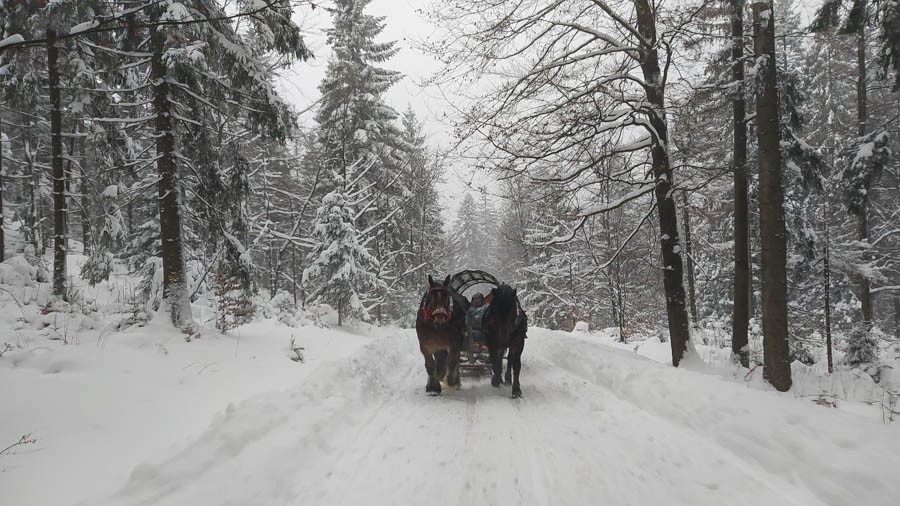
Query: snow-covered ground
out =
(143, 417)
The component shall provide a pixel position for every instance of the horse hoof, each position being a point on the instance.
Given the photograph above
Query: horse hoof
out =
(453, 388)
(516, 393)
(433, 390)
(495, 381)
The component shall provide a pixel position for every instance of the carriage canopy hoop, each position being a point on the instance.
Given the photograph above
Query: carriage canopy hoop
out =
(463, 280)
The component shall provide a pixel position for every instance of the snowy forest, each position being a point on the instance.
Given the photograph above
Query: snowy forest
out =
(720, 177)
(150, 136)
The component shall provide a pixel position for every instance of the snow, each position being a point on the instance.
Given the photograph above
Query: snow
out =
(176, 12)
(12, 39)
(142, 417)
(866, 150)
(83, 27)
(133, 397)
(111, 191)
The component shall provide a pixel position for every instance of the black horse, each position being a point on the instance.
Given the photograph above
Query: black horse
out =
(505, 327)
(440, 326)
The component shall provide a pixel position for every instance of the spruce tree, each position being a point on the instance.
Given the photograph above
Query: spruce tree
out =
(468, 239)
(357, 128)
(341, 269)
(355, 124)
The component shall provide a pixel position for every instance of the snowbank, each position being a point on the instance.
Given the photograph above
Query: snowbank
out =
(143, 417)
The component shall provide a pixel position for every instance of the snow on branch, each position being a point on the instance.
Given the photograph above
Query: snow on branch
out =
(585, 214)
(12, 40)
(628, 197)
(173, 17)
(616, 45)
(83, 27)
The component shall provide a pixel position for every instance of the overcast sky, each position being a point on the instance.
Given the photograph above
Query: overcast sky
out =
(404, 25)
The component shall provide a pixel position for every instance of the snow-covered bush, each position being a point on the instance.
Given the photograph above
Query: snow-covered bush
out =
(282, 308)
(200, 278)
(150, 286)
(18, 272)
(862, 348)
(321, 315)
(799, 352)
(97, 267)
(42, 274)
(848, 385)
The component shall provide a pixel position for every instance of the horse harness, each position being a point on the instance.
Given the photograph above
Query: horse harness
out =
(431, 313)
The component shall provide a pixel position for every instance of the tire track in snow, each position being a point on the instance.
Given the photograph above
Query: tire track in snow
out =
(645, 454)
(246, 454)
(364, 432)
(797, 455)
(566, 442)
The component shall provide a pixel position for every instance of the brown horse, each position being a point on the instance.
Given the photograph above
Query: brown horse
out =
(505, 327)
(440, 326)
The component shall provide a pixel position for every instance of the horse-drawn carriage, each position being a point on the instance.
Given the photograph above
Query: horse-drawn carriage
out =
(448, 336)
(474, 356)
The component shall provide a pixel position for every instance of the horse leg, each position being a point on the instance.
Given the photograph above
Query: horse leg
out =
(515, 363)
(507, 378)
(433, 386)
(453, 381)
(496, 366)
(440, 365)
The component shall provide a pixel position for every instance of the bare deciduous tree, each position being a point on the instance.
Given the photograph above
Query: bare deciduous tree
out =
(562, 88)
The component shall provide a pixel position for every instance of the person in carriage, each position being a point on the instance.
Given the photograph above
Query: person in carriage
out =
(475, 345)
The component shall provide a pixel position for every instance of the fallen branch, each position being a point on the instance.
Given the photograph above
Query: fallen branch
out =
(750, 372)
(24, 440)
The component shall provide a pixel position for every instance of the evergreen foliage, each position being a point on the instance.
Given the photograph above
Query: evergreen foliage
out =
(862, 348)
(341, 271)
(579, 134)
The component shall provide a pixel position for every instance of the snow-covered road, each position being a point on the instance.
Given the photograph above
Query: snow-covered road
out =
(596, 425)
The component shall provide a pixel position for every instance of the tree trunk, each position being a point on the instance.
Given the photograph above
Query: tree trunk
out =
(2, 232)
(31, 234)
(617, 290)
(70, 178)
(773, 238)
(865, 293)
(85, 205)
(742, 288)
(175, 289)
(293, 256)
(827, 267)
(670, 242)
(294, 273)
(56, 164)
(688, 250)
(340, 310)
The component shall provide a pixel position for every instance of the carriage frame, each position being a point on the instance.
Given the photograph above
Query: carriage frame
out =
(459, 284)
